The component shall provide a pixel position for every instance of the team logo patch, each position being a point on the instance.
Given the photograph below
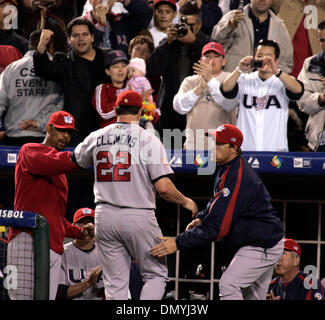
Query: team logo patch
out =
(318, 296)
(68, 119)
(225, 192)
(86, 211)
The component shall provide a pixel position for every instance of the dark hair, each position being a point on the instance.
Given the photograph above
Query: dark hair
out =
(190, 9)
(34, 38)
(79, 22)
(321, 25)
(269, 43)
(141, 39)
(122, 110)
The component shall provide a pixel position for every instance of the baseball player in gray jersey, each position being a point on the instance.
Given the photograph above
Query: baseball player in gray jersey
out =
(80, 277)
(130, 165)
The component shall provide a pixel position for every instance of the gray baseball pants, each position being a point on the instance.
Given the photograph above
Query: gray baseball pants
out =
(249, 274)
(122, 233)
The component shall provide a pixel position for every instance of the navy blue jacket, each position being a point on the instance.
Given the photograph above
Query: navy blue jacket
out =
(295, 289)
(240, 212)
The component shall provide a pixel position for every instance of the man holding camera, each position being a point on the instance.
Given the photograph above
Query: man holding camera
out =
(173, 59)
(264, 97)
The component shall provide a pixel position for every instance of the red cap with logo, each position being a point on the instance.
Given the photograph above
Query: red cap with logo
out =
(213, 46)
(62, 120)
(172, 3)
(129, 98)
(291, 245)
(227, 133)
(83, 213)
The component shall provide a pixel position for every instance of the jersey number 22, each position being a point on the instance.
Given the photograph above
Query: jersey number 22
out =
(103, 168)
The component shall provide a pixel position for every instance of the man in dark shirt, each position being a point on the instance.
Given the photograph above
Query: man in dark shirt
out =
(173, 59)
(78, 72)
(240, 214)
(292, 284)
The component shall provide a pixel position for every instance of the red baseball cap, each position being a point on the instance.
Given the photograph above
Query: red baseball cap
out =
(62, 120)
(129, 98)
(291, 245)
(227, 133)
(172, 3)
(213, 46)
(83, 213)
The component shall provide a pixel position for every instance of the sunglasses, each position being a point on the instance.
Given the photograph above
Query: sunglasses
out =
(322, 40)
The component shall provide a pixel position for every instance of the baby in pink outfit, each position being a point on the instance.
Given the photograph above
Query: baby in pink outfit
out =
(137, 80)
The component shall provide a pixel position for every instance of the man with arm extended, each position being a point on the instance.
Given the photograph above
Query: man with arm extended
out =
(41, 186)
(241, 214)
(130, 164)
(264, 97)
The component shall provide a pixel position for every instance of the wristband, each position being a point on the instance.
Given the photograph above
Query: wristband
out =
(241, 72)
(279, 74)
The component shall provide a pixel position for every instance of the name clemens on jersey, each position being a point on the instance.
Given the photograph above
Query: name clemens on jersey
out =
(120, 139)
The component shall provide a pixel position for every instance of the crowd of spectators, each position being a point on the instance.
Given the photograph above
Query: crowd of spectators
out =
(169, 36)
(204, 63)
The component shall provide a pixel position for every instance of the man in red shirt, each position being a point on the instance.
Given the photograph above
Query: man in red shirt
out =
(41, 186)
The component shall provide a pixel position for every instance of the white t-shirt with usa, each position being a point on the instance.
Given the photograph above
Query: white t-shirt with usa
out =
(263, 113)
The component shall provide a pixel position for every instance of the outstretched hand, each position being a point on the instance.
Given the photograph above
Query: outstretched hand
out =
(191, 205)
(168, 246)
(193, 224)
(271, 296)
(88, 231)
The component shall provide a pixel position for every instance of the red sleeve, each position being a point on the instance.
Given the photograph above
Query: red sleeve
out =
(71, 231)
(103, 101)
(45, 160)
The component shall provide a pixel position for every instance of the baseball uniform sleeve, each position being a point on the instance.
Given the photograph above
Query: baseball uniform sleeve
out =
(155, 158)
(83, 153)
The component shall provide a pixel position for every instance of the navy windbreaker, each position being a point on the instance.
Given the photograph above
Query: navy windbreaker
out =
(240, 212)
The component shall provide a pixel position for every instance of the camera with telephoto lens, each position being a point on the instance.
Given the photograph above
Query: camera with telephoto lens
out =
(181, 28)
(256, 64)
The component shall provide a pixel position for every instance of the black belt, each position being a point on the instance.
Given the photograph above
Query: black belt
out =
(121, 207)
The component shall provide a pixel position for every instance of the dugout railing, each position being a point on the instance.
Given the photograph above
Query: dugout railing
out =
(40, 255)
